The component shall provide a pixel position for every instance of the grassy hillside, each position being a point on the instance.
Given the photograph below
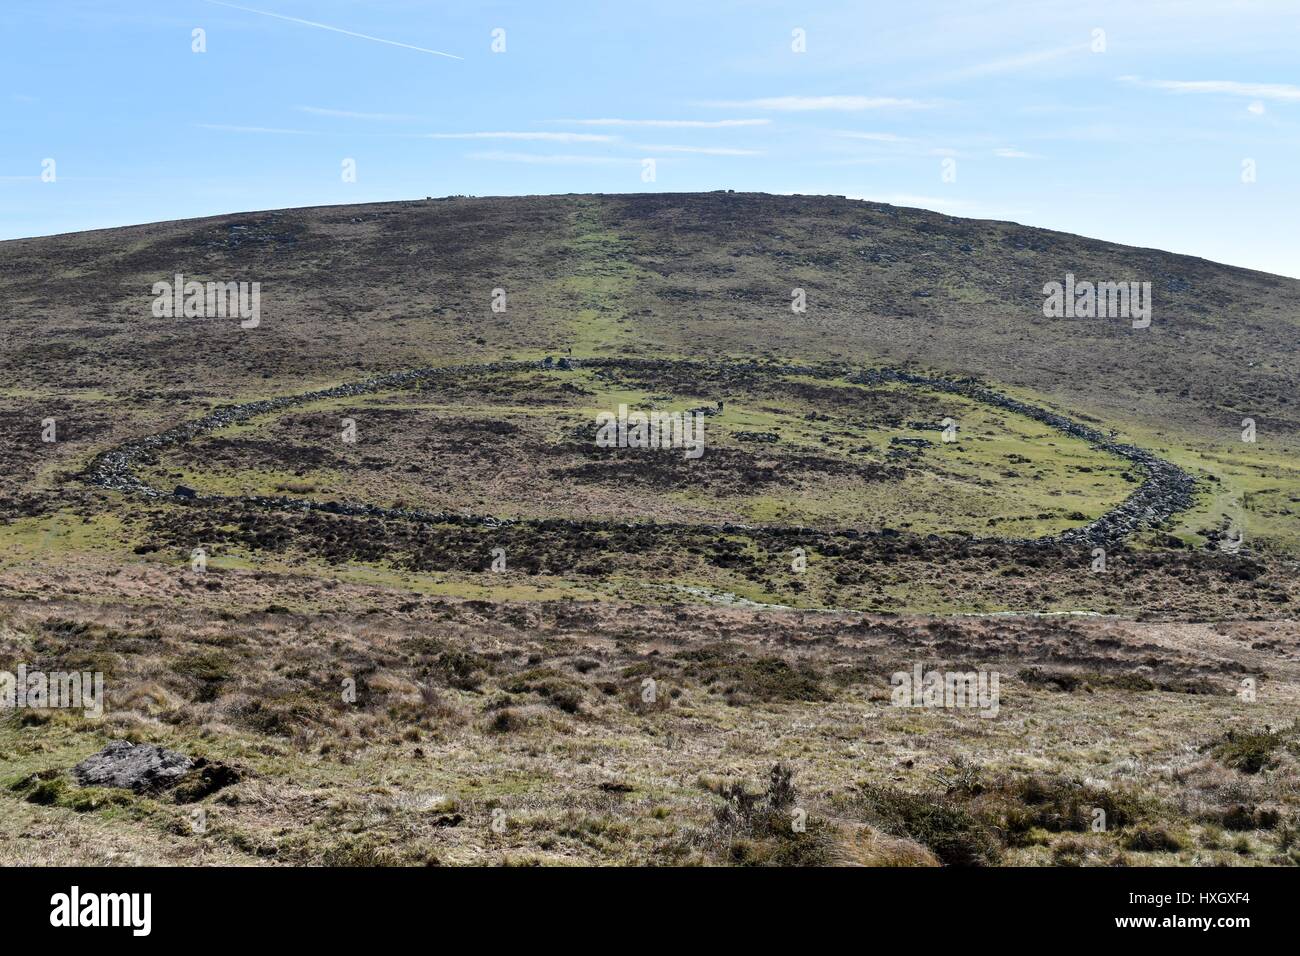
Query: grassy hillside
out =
(401, 284)
(675, 657)
(348, 291)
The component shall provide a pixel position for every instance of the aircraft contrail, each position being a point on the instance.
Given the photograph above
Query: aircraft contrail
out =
(326, 26)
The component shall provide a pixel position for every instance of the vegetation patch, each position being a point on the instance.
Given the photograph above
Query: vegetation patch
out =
(742, 678)
(1252, 751)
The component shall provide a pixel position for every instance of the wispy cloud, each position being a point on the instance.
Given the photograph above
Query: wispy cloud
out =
(1016, 63)
(325, 26)
(530, 135)
(874, 137)
(1258, 91)
(1008, 153)
(668, 123)
(704, 150)
(253, 129)
(938, 203)
(951, 206)
(1086, 133)
(349, 114)
(550, 159)
(809, 103)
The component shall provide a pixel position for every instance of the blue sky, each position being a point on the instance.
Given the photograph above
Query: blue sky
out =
(1142, 143)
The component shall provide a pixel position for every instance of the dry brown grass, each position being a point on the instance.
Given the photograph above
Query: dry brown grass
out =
(464, 720)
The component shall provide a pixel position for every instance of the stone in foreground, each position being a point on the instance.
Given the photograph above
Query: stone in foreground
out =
(144, 768)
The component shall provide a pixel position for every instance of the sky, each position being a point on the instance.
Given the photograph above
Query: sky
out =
(1173, 125)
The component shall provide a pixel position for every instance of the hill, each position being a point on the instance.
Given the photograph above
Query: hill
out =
(390, 565)
(357, 290)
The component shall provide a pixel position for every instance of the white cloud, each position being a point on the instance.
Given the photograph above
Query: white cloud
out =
(808, 103)
(535, 136)
(253, 129)
(1257, 108)
(937, 203)
(705, 150)
(549, 159)
(874, 137)
(1014, 64)
(1260, 91)
(348, 114)
(668, 123)
(950, 206)
(1007, 153)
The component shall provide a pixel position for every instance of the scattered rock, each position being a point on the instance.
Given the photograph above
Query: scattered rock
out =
(1164, 490)
(144, 768)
